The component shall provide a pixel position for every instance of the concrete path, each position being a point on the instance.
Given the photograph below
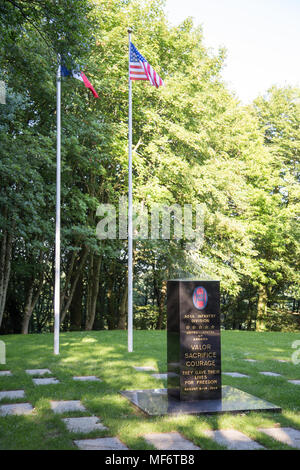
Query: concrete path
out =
(38, 371)
(235, 374)
(271, 374)
(87, 378)
(46, 381)
(288, 436)
(84, 424)
(233, 440)
(160, 376)
(169, 441)
(104, 443)
(11, 394)
(5, 372)
(66, 406)
(16, 409)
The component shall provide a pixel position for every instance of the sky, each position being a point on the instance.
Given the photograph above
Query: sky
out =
(262, 39)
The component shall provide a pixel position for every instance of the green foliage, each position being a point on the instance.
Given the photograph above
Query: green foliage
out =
(281, 320)
(193, 143)
(63, 26)
(145, 317)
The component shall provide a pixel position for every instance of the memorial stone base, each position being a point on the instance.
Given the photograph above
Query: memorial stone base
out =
(194, 358)
(158, 402)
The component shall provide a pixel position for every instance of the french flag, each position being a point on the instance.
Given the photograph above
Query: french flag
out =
(80, 76)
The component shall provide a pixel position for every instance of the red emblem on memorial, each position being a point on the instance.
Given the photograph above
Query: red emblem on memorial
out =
(200, 298)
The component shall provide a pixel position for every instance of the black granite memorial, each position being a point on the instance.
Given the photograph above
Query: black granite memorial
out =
(194, 358)
(194, 344)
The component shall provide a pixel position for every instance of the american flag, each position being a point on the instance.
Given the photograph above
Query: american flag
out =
(139, 69)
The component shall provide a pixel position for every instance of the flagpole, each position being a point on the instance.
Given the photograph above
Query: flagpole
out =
(57, 227)
(130, 276)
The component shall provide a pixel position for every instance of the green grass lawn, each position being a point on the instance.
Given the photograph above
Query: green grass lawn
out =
(104, 354)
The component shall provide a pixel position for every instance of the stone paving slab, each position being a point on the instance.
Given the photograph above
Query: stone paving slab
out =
(169, 441)
(16, 409)
(233, 440)
(66, 406)
(46, 381)
(85, 424)
(288, 436)
(38, 371)
(235, 374)
(281, 360)
(271, 374)
(87, 378)
(103, 443)
(295, 382)
(144, 368)
(160, 376)
(11, 394)
(250, 360)
(5, 372)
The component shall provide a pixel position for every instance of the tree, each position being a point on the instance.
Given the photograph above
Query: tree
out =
(193, 143)
(277, 234)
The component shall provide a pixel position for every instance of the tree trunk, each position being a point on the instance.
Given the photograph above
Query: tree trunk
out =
(74, 276)
(261, 307)
(5, 266)
(111, 314)
(30, 304)
(93, 289)
(161, 306)
(69, 274)
(123, 309)
(76, 306)
(249, 316)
